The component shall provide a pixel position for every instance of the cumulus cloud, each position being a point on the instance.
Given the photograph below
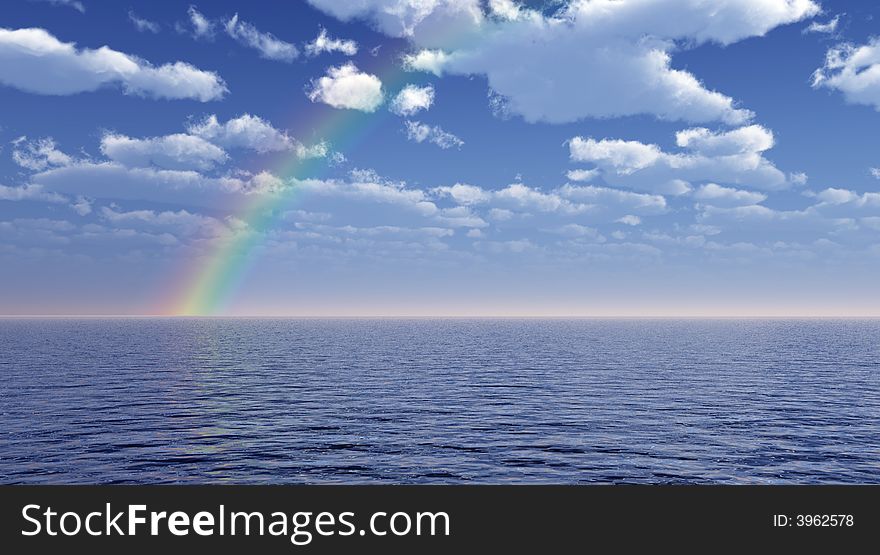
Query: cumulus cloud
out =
(181, 222)
(346, 86)
(142, 24)
(717, 195)
(621, 50)
(412, 99)
(734, 157)
(114, 180)
(34, 61)
(582, 175)
(39, 154)
(268, 45)
(634, 202)
(844, 203)
(325, 43)
(465, 194)
(245, 131)
(518, 199)
(173, 152)
(29, 192)
(254, 133)
(854, 71)
(421, 132)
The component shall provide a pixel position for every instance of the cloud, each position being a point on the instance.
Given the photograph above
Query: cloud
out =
(854, 71)
(828, 28)
(465, 194)
(844, 203)
(744, 140)
(268, 45)
(170, 152)
(421, 132)
(401, 18)
(39, 154)
(412, 99)
(75, 4)
(633, 202)
(578, 231)
(734, 157)
(568, 200)
(113, 180)
(798, 178)
(629, 219)
(432, 61)
(142, 24)
(625, 156)
(181, 222)
(875, 173)
(203, 28)
(82, 206)
(347, 87)
(245, 131)
(34, 61)
(324, 43)
(582, 175)
(29, 192)
(254, 133)
(589, 58)
(717, 195)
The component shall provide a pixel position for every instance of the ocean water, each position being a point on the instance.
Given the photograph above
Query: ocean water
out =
(439, 401)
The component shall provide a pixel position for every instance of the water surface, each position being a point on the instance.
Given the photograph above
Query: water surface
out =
(448, 401)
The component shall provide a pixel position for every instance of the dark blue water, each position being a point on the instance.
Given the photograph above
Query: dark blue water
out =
(450, 401)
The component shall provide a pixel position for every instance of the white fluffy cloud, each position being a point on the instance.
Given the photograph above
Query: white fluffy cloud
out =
(39, 154)
(734, 157)
(172, 152)
(582, 175)
(35, 61)
(591, 58)
(245, 131)
(421, 132)
(854, 71)
(268, 45)
(412, 99)
(325, 43)
(254, 133)
(347, 87)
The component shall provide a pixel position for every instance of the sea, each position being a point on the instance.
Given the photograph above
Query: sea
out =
(450, 401)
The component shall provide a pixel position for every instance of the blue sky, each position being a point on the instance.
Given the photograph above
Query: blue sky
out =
(441, 157)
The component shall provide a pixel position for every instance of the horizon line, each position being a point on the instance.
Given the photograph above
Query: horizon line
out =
(450, 316)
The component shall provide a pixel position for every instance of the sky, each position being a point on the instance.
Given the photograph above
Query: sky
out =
(440, 158)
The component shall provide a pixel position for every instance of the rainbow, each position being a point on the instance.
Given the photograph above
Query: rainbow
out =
(210, 282)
